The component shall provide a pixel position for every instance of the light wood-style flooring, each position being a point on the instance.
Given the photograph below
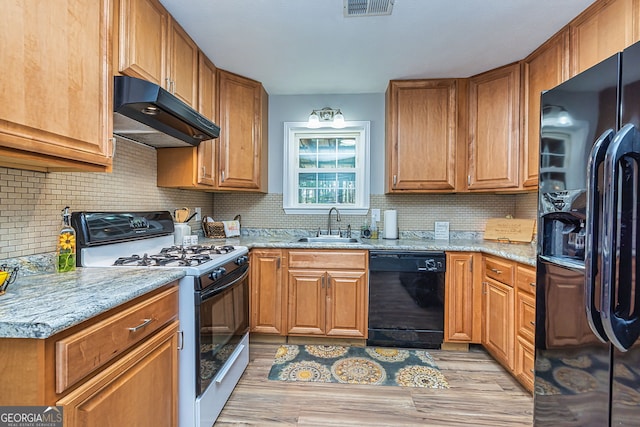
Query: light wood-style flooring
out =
(481, 393)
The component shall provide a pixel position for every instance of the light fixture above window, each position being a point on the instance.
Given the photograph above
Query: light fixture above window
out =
(326, 115)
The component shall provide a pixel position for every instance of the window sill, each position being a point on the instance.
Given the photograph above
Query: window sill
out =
(324, 211)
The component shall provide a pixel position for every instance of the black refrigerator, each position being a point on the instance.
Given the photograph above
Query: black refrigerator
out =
(587, 366)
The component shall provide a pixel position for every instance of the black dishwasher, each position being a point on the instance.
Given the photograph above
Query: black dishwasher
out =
(406, 299)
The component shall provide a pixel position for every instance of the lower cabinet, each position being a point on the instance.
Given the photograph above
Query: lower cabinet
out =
(139, 389)
(327, 302)
(267, 297)
(463, 298)
(498, 336)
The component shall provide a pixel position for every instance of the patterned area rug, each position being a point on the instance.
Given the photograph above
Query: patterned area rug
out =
(356, 365)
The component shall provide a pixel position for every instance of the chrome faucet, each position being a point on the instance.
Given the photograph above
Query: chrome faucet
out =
(337, 219)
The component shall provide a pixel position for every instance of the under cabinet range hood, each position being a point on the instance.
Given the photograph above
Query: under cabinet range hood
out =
(146, 113)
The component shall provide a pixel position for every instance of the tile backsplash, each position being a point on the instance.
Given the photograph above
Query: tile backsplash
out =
(30, 202)
(465, 212)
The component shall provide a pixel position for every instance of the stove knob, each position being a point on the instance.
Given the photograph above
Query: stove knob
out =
(217, 273)
(242, 260)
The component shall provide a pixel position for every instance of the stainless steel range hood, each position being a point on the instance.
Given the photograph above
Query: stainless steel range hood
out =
(144, 112)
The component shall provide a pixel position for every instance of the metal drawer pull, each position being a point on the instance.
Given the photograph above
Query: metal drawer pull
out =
(532, 284)
(533, 323)
(141, 325)
(495, 270)
(532, 371)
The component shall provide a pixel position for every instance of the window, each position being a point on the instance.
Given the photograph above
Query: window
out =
(326, 167)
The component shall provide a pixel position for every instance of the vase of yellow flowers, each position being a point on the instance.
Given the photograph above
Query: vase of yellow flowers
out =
(66, 249)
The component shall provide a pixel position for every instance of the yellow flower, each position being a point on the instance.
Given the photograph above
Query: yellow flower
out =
(67, 241)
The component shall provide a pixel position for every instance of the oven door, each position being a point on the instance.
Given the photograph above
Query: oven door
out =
(222, 319)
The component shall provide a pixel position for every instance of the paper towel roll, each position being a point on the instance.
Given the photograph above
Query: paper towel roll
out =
(390, 224)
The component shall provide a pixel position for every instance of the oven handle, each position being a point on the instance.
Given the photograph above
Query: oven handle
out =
(205, 295)
(229, 364)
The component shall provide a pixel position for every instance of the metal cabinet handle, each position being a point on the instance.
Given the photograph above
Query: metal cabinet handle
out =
(484, 290)
(328, 281)
(322, 282)
(533, 323)
(395, 180)
(180, 340)
(144, 323)
(222, 176)
(495, 270)
(532, 284)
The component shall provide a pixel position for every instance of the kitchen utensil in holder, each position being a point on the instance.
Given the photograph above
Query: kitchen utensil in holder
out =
(8, 275)
(213, 229)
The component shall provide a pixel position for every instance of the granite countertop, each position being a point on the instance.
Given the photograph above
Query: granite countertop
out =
(519, 252)
(40, 306)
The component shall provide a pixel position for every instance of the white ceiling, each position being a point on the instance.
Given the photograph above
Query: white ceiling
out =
(309, 47)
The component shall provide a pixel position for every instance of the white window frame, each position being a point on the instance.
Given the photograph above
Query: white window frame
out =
(295, 130)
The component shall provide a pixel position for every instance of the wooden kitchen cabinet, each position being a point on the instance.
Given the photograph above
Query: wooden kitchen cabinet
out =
(100, 367)
(194, 168)
(525, 316)
(498, 310)
(139, 389)
(152, 46)
(267, 298)
(603, 29)
(243, 121)
(327, 293)
(422, 135)
(463, 298)
(545, 68)
(56, 93)
(494, 144)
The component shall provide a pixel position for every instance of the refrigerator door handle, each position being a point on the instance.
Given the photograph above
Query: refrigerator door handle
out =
(620, 315)
(593, 234)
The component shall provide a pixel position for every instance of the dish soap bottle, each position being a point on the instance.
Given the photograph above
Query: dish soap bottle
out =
(66, 249)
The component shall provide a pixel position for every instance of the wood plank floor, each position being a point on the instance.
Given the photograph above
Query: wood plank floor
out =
(481, 393)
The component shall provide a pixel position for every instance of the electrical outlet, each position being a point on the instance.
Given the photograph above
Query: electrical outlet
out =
(198, 214)
(375, 215)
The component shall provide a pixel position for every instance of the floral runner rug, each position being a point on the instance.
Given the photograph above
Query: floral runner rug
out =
(356, 365)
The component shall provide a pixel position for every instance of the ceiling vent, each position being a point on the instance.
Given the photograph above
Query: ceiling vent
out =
(354, 8)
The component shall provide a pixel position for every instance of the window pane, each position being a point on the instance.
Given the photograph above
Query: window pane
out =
(307, 196)
(308, 145)
(346, 196)
(327, 161)
(307, 180)
(346, 160)
(327, 196)
(308, 160)
(347, 145)
(327, 180)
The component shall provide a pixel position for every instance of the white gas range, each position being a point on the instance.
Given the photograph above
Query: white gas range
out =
(214, 300)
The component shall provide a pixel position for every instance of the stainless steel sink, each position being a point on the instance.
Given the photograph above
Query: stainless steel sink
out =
(327, 239)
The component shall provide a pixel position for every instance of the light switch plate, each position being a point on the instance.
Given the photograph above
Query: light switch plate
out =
(198, 214)
(375, 215)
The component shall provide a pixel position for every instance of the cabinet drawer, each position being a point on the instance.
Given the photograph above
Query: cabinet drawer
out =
(525, 360)
(349, 259)
(93, 347)
(526, 316)
(500, 270)
(526, 279)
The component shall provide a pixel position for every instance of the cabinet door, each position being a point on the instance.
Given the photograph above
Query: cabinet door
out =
(605, 28)
(140, 389)
(143, 40)
(266, 292)
(498, 333)
(544, 69)
(494, 99)
(56, 91)
(347, 295)
(525, 316)
(241, 115)
(207, 102)
(306, 308)
(421, 135)
(183, 65)
(463, 298)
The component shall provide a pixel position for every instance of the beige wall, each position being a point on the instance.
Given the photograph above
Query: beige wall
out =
(30, 202)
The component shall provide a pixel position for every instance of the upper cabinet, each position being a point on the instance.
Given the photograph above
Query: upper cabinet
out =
(605, 28)
(155, 48)
(422, 135)
(545, 68)
(59, 58)
(494, 145)
(243, 120)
